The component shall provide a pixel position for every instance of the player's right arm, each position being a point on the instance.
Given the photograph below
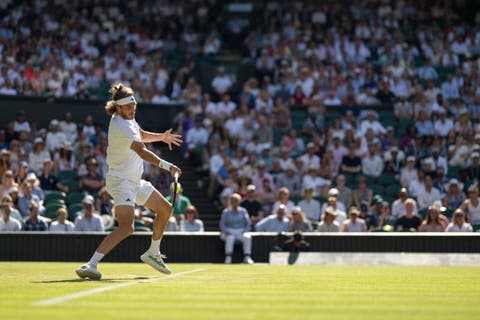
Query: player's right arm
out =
(149, 156)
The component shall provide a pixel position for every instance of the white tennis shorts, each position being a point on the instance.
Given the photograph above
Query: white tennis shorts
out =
(127, 192)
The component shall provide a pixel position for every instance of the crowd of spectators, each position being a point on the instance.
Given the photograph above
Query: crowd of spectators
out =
(342, 64)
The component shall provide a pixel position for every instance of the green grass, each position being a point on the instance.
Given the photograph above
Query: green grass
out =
(242, 292)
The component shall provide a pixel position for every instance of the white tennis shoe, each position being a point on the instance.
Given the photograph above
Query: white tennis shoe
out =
(87, 271)
(155, 261)
(247, 260)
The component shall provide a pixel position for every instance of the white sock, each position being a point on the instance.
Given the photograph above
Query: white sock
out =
(95, 259)
(155, 246)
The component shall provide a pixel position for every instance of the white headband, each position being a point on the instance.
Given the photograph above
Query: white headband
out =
(125, 100)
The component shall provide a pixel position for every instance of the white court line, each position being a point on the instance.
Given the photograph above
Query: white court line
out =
(81, 294)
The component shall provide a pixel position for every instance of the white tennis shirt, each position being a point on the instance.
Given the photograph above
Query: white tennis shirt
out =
(122, 161)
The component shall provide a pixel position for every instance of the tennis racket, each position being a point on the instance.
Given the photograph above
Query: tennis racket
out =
(174, 190)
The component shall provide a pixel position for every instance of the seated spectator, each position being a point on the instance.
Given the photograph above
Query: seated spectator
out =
(24, 201)
(267, 197)
(309, 158)
(92, 182)
(104, 203)
(253, 206)
(409, 172)
(345, 194)
(454, 197)
(181, 204)
(310, 206)
(353, 223)
(296, 243)
(21, 172)
(8, 182)
(408, 221)
(333, 201)
(471, 206)
(62, 224)
(428, 194)
(196, 140)
(432, 221)
(458, 223)
(235, 225)
(5, 162)
(49, 181)
(362, 193)
(384, 219)
(7, 222)
(329, 223)
(398, 206)
(33, 181)
(372, 164)
(276, 222)
(38, 155)
(88, 220)
(351, 163)
(14, 213)
(283, 198)
(290, 180)
(34, 222)
(191, 223)
(298, 221)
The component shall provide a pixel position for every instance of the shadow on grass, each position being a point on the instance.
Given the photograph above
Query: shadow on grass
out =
(108, 280)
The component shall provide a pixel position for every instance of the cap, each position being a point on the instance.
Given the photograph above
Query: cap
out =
(23, 164)
(403, 190)
(437, 205)
(5, 151)
(291, 167)
(385, 204)
(410, 158)
(333, 192)
(251, 187)
(377, 199)
(38, 140)
(54, 122)
(261, 163)
(475, 155)
(331, 210)
(88, 199)
(31, 176)
(353, 210)
(310, 145)
(454, 182)
(13, 189)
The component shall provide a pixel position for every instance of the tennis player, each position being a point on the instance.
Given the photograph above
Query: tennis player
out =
(125, 156)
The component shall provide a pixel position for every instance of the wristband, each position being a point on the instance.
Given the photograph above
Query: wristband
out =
(165, 165)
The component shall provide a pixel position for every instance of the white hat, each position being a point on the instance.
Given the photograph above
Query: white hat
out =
(475, 155)
(31, 176)
(437, 205)
(38, 140)
(452, 182)
(333, 192)
(54, 122)
(411, 158)
(88, 200)
(251, 187)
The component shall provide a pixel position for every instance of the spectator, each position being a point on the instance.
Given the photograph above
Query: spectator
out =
(7, 222)
(34, 222)
(471, 206)
(104, 203)
(33, 181)
(345, 194)
(428, 194)
(458, 223)
(354, 223)
(221, 83)
(276, 222)
(8, 182)
(55, 137)
(408, 221)
(5, 162)
(253, 206)
(88, 220)
(48, 181)
(362, 193)
(235, 225)
(329, 222)
(290, 180)
(196, 140)
(25, 200)
(351, 163)
(408, 173)
(62, 224)
(372, 165)
(91, 182)
(398, 206)
(384, 220)
(432, 221)
(298, 221)
(191, 223)
(310, 206)
(283, 198)
(38, 155)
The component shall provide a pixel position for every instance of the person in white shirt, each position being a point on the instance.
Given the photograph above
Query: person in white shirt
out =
(428, 194)
(398, 206)
(310, 206)
(225, 107)
(21, 123)
(458, 223)
(38, 156)
(221, 83)
(372, 165)
(372, 123)
(196, 139)
(7, 223)
(126, 154)
(55, 138)
(69, 128)
(62, 224)
(409, 172)
(310, 159)
(353, 223)
(443, 125)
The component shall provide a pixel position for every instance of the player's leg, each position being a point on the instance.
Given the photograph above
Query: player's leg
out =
(246, 239)
(125, 216)
(163, 210)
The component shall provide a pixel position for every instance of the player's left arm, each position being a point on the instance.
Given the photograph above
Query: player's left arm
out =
(168, 137)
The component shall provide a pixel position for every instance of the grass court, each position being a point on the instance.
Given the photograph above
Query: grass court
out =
(51, 290)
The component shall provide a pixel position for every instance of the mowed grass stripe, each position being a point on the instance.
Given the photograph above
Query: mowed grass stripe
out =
(247, 292)
(82, 294)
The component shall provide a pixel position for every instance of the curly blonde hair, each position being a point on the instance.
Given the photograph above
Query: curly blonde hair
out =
(118, 91)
